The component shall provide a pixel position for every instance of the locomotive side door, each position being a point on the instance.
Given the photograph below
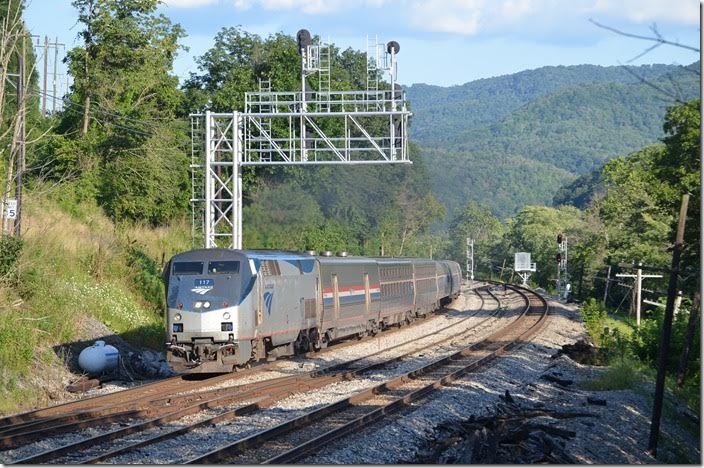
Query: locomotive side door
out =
(259, 316)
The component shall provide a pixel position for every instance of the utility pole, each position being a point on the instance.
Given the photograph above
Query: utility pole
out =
(606, 287)
(638, 289)
(22, 108)
(49, 45)
(46, 71)
(667, 329)
(53, 82)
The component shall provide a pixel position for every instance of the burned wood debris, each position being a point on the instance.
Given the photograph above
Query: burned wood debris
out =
(583, 352)
(510, 434)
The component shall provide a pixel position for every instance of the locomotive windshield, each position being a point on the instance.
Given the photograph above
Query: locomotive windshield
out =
(188, 268)
(223, 267)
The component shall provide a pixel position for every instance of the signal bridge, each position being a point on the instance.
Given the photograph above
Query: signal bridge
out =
(303, 127)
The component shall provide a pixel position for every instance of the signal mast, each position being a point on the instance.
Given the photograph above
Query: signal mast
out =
(291, 128)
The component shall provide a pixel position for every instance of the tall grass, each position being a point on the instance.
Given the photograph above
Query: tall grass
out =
(76, 264)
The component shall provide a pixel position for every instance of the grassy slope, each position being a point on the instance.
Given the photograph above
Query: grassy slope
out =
(76, 264)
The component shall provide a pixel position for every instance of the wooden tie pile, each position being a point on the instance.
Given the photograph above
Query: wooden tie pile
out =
(511, 434)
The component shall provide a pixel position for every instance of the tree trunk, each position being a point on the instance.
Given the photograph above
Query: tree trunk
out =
(691, 326)
(86, 115)
(403, 241)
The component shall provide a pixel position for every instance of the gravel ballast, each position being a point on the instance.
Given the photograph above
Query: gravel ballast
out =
(618, 433)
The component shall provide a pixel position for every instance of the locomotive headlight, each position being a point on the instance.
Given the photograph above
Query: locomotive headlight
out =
(206, 305)
(226, 316)
(177, 317)
(198, 304)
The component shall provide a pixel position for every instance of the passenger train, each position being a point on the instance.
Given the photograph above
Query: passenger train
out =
(228, 308)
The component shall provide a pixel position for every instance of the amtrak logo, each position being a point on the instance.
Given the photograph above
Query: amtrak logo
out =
(203, 285)
(268, 298)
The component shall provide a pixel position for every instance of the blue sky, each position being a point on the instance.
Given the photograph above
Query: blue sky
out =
(443, 42)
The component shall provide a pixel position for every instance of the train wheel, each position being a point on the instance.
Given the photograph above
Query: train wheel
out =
(374, 328)
(407, 318)
(316, 342)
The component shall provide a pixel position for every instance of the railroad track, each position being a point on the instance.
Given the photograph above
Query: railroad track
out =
(243, 400)
(304, 435)
(102, 405)
(178, 406)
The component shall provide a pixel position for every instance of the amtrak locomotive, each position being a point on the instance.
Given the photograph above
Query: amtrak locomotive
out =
(228, 308)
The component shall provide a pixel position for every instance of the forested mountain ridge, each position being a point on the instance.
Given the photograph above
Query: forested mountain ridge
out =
(570, 130)
(439, 111)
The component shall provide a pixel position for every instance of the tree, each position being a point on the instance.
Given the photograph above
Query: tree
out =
(476, 222)
(120, 119)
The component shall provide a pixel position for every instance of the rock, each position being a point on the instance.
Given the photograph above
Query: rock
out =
(596, 401)
(557, 380)
(583, 352)
(507, 397)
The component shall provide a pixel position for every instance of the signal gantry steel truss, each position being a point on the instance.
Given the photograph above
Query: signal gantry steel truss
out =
(307, 127)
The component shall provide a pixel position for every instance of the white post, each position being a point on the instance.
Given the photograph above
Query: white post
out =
(304, 65)
(236, 181)
(678, 303)
(471, 246)
(208, 181)
(639, 285)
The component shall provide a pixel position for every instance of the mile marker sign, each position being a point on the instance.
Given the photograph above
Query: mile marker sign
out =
(11, 209)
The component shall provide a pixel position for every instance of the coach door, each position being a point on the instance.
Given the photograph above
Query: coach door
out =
(367, 294)
(336, 297)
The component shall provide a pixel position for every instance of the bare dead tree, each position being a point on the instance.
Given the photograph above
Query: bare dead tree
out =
(659, 40)
(656, 37)
(12, 31)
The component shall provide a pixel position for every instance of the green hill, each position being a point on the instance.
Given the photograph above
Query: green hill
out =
(570, 120)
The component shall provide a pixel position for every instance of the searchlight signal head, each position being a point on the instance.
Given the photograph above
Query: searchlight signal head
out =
(559, 238)
(303, 39)
(393, 46)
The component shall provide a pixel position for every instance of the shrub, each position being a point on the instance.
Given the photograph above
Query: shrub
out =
(10, 250)
(594, 317)
(147, 277)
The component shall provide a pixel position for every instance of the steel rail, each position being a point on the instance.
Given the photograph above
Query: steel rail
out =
(353, 401)
(397, 404)
(283, 391)
(280, 387)
(76, 410)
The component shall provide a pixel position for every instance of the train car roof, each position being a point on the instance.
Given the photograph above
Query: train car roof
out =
(253, 253)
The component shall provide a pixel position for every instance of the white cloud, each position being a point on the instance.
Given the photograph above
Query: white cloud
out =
(309, 7)
(539, 17)
(243, 4)
(188, 3)
(684, 12)
(455, 16)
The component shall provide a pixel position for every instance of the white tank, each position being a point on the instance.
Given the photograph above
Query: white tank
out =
(98, 358)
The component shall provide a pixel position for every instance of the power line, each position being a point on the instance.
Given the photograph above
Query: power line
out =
(70, 103)
(98, 109)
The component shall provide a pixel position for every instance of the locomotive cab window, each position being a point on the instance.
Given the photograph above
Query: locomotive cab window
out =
(224, 267)
(188, 268)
